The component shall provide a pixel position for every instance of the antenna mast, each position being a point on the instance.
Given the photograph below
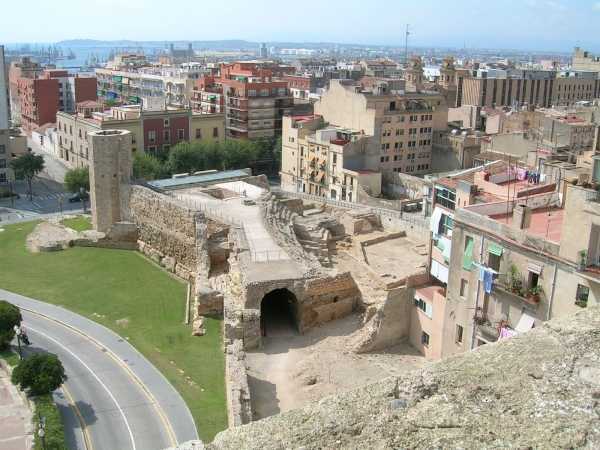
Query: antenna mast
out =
(406, 45)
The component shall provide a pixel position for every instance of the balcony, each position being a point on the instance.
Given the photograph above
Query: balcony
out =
(503, 289)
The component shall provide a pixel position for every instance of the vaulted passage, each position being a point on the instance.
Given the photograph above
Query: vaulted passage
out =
(279, 313)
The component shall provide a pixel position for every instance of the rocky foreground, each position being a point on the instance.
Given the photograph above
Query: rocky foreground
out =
(537, 390)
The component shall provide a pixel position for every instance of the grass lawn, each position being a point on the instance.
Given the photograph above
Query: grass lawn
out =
(108, 285)
(79, 223)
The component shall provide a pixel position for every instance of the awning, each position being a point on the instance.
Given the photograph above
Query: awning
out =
(495, 249)
(526, 323)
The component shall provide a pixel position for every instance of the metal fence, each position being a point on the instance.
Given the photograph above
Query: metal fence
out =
(211, 212)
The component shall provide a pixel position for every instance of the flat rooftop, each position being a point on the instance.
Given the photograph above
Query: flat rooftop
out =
(545, 223)
(191, 180)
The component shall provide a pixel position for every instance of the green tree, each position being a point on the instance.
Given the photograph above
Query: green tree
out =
(27, 166)
(148, 167)
(10, 316)
(75, 179)
(40, 373)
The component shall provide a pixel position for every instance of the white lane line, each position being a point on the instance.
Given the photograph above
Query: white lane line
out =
(97, 379)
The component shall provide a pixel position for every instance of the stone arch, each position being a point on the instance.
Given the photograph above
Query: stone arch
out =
(279, 313)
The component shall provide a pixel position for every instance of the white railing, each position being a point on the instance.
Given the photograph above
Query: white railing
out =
(212, 213)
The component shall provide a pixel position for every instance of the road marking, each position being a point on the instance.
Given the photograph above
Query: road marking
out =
(159, 411)
(87, 440)
(110, 394)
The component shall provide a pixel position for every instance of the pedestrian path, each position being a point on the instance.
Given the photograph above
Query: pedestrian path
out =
(15, 417)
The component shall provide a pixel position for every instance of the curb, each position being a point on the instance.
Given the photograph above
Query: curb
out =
(163, 417)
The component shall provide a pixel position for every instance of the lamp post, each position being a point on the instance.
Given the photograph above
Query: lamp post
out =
(42, 430)
(17, 329)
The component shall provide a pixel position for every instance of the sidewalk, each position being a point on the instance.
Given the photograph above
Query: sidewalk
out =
(15, 417)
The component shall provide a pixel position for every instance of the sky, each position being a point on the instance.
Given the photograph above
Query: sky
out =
(517, 24)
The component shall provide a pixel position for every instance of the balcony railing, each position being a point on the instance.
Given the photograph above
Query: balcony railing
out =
(503, 288)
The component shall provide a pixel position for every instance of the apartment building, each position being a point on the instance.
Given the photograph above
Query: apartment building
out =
(539, 88)
(207, 96)
(54, 90)
(255, 100)
(328, 161)
(4, 108)
(585, 61)
(23, 68)
(401, 123)
(508, 253)
(152, 132)
(173, 85)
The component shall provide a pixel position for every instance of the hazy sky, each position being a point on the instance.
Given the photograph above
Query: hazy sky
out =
(528, 24)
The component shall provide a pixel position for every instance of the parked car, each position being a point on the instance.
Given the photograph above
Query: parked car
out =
(78, 196)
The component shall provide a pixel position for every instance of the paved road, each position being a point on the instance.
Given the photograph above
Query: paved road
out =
(123, 401)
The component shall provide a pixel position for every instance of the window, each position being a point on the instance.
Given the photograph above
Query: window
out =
(464, 286)
(494, 261)
(533, 279)
(459, 334)
(424, 306)
(2, 149)
(468, 254)
(166, 122)
(2, 177)
(382, 159)
(2, 163)
(581, 297)
(152, 136)
(445, 198)
(181, 133)
(446, 225)
(425, 339)
(167, 135)
(215, 132)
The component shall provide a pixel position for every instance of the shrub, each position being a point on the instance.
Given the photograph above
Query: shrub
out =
(10, 316)
(40, 373)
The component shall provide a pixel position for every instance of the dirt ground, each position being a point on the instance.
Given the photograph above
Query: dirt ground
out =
(292, 370)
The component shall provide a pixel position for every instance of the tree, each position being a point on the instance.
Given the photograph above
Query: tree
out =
(27, 166)
(40, 373)
(148, 167)
(10, 316)
(75, 179)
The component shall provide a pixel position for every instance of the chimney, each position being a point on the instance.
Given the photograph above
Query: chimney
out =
(521, 217)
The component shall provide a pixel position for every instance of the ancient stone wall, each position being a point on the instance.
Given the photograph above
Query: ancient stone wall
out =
(279, 221)
(239, 407)
(540, 389)
(167, 230)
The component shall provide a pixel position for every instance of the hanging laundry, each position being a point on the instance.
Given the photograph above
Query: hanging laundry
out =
(488, 279)
(506, 332)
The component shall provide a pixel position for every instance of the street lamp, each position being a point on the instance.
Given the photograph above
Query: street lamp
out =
(42, 430)
(17, 329)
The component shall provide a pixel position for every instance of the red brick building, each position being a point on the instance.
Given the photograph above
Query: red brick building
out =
(164, 129)
(41, 97)
(39, 102)
(253, 95)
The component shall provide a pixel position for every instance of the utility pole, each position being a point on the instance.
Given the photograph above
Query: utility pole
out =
(406, 45)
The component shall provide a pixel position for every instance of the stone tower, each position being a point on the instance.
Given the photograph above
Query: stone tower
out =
(448, 73)
(110, 177)
(413, 74)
